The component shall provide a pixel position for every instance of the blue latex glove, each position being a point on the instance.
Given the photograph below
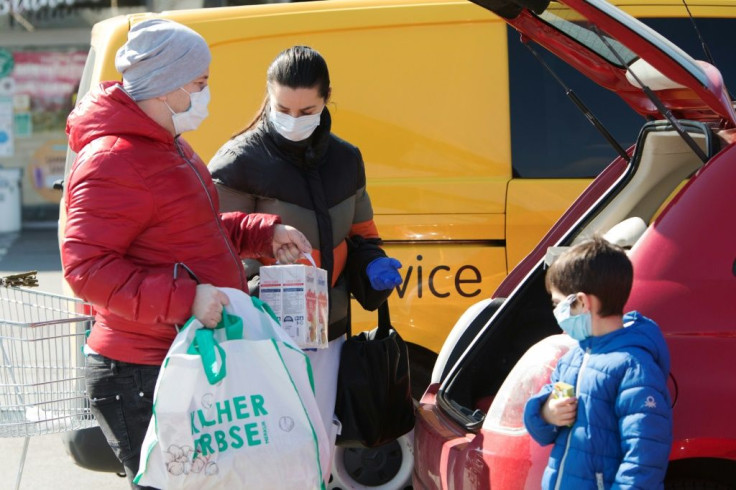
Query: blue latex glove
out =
(383, 273)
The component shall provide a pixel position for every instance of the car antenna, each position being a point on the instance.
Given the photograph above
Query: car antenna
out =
(580, 104)
(703, 44)
(664, 111)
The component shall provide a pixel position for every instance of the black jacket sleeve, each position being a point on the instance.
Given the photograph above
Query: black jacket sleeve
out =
(362, 252)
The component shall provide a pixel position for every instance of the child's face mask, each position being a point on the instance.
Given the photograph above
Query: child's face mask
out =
(579, 327)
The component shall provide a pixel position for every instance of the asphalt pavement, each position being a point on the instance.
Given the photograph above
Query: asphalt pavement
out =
(47, 465)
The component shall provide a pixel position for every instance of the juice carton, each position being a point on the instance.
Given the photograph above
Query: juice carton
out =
(563, 390)
(318, 308)
(293, 292)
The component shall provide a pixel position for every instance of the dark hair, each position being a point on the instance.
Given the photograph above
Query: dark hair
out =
(296, 67)
(595, 267)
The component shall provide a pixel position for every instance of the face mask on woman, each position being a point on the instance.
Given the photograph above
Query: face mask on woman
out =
(294, 128)
(190, 119)
(580, 326)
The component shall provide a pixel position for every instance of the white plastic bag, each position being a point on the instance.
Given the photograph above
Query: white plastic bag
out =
(235, 408)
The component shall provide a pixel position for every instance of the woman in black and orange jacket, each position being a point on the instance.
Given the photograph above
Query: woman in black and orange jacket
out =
(288, 163)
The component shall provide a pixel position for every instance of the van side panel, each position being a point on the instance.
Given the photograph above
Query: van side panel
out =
(533, 206)
(107, 37)
(438, 279)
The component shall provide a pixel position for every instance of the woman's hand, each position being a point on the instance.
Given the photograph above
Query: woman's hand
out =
(383, 273)
(289, 244)
(560, 412)
(208, 305)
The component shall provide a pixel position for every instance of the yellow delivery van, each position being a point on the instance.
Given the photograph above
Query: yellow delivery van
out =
(466, 170)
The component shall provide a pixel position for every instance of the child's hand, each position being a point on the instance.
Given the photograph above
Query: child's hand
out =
(560, 412)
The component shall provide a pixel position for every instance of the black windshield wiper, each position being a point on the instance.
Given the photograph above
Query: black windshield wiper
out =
(664, 111)
(580, 105)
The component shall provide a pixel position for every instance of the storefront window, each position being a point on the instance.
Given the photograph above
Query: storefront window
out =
(36, 95)
(43, 48)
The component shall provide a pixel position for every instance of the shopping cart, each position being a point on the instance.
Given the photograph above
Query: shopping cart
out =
(42, 388)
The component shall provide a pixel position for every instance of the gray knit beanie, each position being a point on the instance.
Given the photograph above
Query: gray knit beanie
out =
(159, 57)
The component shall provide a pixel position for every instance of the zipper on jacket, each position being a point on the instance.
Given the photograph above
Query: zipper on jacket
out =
(236, 258)
(599, 481)
(586, 356)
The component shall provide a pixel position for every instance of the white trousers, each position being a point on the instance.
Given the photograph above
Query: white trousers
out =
(325, 365)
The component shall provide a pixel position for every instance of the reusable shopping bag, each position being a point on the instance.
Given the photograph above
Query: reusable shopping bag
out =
(234, 407)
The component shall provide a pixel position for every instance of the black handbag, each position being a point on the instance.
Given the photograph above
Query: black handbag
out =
(374, 402)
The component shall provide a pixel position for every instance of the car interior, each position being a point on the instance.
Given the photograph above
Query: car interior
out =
(661, 161)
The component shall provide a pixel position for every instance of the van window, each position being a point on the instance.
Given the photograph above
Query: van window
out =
(550, 137)
(84, 85)
(717, 33)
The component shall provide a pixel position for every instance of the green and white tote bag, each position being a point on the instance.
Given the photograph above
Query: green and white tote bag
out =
(234, 407)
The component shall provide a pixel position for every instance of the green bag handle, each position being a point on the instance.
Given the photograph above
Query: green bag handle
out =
(233, 326)
(207, 347)
(264, 307)
(267, 326)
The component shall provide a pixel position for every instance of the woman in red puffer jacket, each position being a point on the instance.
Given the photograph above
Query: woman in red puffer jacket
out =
(144, 241)
(143, 228)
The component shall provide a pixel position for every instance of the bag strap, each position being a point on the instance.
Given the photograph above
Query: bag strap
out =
(194, 277)
(231, 324)
(384, 320)
(186, 268)
(264, 307)
(209, 349)
(270, 324)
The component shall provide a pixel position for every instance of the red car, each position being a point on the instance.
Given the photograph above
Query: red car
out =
(682, 238)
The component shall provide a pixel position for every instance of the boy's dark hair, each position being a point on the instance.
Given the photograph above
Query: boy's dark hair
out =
(595, 267)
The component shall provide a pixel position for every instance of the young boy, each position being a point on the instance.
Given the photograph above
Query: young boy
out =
(616, 431)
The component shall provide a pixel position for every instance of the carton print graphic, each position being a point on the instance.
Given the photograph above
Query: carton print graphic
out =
(322, 311)
(208, 400)
(182, 460)
(322, 302)
(311, 300)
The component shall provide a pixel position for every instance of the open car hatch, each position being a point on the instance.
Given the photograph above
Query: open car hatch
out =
(622, 54)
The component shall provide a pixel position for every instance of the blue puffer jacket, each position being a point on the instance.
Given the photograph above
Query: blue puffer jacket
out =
(623, 431)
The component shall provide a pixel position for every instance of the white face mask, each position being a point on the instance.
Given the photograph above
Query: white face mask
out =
(190, 119)
(294, 128)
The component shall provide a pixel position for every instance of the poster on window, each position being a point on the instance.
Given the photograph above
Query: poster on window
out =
(6, 117)
(50, 80)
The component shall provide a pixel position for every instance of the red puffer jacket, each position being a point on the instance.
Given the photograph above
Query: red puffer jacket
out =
(142, 212)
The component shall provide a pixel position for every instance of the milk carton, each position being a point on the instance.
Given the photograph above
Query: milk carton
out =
(298, 296)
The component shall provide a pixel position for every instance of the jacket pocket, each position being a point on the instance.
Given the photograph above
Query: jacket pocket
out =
(109, 414)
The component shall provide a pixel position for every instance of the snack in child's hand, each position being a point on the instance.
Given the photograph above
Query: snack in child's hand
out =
(563, 390)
